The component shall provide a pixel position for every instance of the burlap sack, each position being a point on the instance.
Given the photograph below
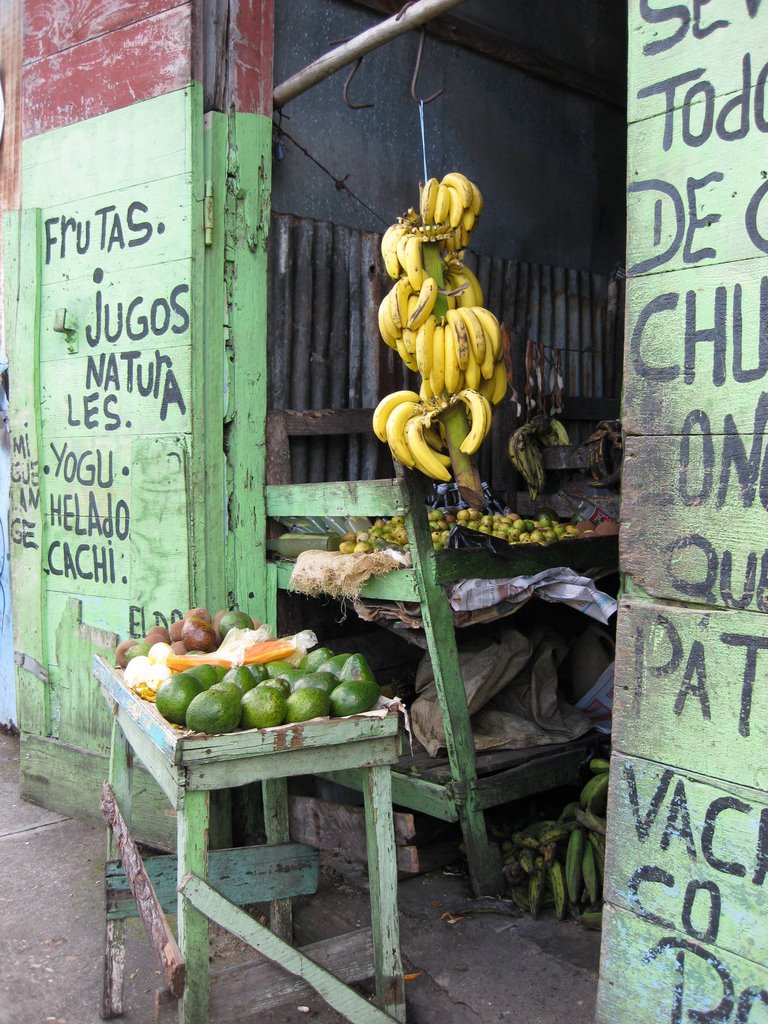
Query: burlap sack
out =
(342, 576)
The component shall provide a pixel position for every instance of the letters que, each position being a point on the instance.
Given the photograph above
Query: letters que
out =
(720, 333)
(123, 335)
(722, 340)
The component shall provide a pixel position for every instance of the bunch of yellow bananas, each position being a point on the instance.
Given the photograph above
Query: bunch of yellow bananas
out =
(411, 426)
(437, 324)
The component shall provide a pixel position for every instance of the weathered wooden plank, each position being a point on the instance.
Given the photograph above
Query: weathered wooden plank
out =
(83, 717)
(22, 323)
(166, 153)
(654, 974)
(431, 798)
(686, 855)
(716, 553)
(248, 874)
(73, 85)
(11, 47)
(687, 42)
(251, 48)
(687, 689)
(244, 990)
(160, 935)
(50, 28)
(69, 778)
(192, 854)
(347, 498)
(696, 334)
(208, 902)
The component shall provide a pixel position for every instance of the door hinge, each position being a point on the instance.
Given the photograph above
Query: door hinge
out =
(208, 213)
(30, 665)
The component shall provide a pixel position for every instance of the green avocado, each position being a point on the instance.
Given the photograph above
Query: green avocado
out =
(334, 664)
(356, 668)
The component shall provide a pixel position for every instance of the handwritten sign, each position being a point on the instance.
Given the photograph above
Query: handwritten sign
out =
(684, 934)
(115, 355)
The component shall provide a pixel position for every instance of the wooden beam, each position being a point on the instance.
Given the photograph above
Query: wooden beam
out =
(497, 47)
(408, 17)
(147, 903)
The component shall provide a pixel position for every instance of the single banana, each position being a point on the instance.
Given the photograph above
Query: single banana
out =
(434, 439)
(451, 368)
(387, 329)
(401, 246)
(426, 394)
(470, 276)
(479, 411)
(389, 241)
(396, 425)
(527, 860)
(463, 186)
(573, 862)
(594, 793)
(428, 200)
(409, 340)
(426, 299)
(477, 200)
(437, 373)
(461, 337)
(398, 305)
(561, 435)
(589, 871)
(414, 262)
(442, 204)
(594, 838)
(468, 220)
(536, 886)
(385, 408)
(597, 764)
(487, 389)
(424, 347)
(472, 375)
(425, 458)
(557, 884)
(476, 335)
(405, 355)
(492, 330)
(455, 207)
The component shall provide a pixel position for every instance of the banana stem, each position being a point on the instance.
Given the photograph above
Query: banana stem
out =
(434, 267)
(465, 472)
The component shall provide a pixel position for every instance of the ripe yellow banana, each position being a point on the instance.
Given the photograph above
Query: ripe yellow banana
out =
(437, 373)
(426, 299)
(468, 220)
(442, 204)
(386, 407)
(396, 424)
(426, 394)
(499, 381)
(475, 334)
(461, 334)
(479, 410)
(398, 302)
(389, 241)
(477, 200)
(455, 207)
(424, 347)
(387, 329)
(428, 200)
(405, 355)
(425, 458)
(462, 185)
(492, 330)
(409, 340)
(414, 262)
(451, 369)
(472, 375)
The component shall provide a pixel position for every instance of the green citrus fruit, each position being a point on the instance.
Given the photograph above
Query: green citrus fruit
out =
(175, 695)
(318, 680)
(305, 704)
(215, 710)
(263, 707)
(354, 697)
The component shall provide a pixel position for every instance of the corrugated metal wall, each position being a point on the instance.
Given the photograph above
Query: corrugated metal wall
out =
(326, 283)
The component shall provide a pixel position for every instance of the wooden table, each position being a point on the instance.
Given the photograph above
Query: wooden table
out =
(208, 886)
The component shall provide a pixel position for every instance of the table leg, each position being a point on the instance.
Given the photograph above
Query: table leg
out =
(275, 795)
(193, 809)
(382, 878)
(120, 779)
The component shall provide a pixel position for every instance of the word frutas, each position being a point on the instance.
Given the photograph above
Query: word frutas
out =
(434, 319)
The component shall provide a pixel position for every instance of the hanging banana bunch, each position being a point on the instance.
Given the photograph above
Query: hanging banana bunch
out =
(434, 318)
(526, 449)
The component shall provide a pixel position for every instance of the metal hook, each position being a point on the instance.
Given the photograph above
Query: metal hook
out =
(416, 99)
(345, 93)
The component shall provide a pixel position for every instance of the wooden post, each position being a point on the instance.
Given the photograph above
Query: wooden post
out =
(192, 856)
(685, 934)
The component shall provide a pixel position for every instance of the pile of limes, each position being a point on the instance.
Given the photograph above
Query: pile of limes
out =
(212, 700)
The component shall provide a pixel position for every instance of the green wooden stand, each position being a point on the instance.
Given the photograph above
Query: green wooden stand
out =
(463, 796)
(203, 886)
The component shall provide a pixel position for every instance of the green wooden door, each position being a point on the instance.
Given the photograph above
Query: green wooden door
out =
(116, 412)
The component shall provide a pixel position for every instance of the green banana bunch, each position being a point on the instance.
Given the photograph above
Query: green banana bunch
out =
(527, 456)
(550, 431)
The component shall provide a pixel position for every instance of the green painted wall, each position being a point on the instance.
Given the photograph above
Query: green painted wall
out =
(685, 935)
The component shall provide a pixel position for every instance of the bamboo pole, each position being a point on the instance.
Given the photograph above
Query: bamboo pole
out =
(348, 52)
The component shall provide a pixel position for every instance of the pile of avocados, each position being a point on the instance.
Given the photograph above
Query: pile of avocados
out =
(213, 700)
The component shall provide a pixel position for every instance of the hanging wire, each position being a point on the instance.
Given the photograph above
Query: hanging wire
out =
(421, 103)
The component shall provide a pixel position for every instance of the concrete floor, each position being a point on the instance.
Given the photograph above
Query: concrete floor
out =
(499, 966)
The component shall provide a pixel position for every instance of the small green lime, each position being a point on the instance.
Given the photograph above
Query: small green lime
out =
(263, 707)
(354, 697)
(325, 681)
(305, 704)
(175, 695)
